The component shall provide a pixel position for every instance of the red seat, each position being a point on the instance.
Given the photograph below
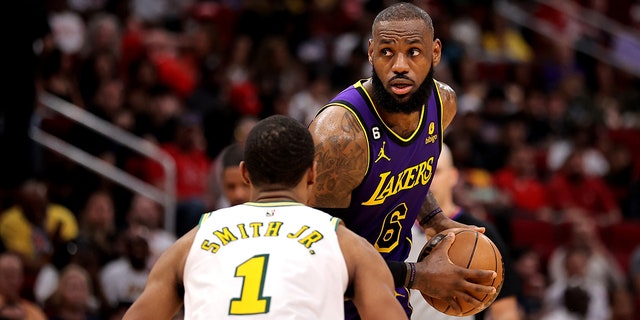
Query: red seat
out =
(621, 239)
(539, 235)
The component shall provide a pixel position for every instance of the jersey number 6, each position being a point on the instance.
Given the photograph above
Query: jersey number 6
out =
(391, 229)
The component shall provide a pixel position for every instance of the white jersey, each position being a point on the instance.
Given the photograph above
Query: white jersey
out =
(279, 260)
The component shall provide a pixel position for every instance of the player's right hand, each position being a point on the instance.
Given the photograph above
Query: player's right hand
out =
(438, 277)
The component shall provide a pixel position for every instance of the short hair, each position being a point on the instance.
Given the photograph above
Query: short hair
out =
(232, 155)
(403, 11)
(278, 151)
(576, 300)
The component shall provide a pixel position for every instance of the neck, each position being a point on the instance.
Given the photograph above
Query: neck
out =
(278, 195)
(403, 124)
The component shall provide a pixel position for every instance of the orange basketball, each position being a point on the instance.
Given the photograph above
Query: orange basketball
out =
(472, 250)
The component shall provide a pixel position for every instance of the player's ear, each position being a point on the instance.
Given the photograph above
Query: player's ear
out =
(245, 173)
(312, 173)
(370, 51)
(436, 51)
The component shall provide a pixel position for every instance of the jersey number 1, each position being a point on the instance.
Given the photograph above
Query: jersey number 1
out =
(251, 300)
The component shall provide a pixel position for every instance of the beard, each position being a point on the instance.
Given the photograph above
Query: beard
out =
(388, 102)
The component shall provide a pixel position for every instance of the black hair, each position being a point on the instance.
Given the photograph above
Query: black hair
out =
(576, 300)
(278, 151)
(403, 11)
(232, 155)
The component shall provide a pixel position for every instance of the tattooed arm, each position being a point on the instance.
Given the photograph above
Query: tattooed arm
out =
(342, 157)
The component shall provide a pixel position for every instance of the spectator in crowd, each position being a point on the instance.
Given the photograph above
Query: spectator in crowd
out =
(12, 304)
(98, 68)
(192, 167)
(502, 42)
(97, 231)
(73, 297)
(57, 76)
(103, 35)
(520, 181)
(35, 228)
(145, 217)
(124, 279)
(530, 271)
(575, 195)
(574, 305)
(600, 264)
(305, 103)
(575, 267)
(98, 224)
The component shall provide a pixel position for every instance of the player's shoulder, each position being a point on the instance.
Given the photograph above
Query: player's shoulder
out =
(446, 91)
(336, 121)
(448, 101)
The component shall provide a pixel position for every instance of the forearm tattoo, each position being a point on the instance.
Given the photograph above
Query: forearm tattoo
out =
(430, 209)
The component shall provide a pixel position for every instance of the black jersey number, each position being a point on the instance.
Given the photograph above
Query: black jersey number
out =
(391, 229)
(251, 300)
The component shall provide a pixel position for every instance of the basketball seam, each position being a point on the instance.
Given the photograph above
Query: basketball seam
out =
(473, 251)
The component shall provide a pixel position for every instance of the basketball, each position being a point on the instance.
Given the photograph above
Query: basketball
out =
(472, 250)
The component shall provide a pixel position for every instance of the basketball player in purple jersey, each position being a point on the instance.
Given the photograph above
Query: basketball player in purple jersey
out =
(377, 147)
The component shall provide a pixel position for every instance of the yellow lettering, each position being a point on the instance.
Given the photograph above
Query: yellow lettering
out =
(373, 200)
(297, 234)
(410, 179)
(225, 236)
(429, 170)
(243, 231)
(399, 184)
(209, 246)
(388, 189)
(273, 229)
(256, 228)
(312, 238)
(406, 179)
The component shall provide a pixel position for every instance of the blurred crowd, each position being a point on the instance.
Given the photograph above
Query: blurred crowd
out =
(544, 132)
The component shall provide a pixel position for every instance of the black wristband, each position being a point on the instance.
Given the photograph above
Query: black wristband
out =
(425, 220)
(399, 272)
(412, 275)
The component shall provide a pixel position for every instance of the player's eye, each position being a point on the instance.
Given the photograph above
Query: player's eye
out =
(414, 52)
(386, 52)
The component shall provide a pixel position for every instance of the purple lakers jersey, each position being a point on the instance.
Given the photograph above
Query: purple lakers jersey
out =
(385, 205)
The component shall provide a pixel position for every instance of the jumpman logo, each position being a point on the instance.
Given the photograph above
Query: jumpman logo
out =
(381, 153)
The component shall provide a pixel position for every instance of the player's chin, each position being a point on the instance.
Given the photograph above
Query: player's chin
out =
(400, 99)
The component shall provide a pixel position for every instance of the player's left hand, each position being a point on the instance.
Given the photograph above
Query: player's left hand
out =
(445, 223)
